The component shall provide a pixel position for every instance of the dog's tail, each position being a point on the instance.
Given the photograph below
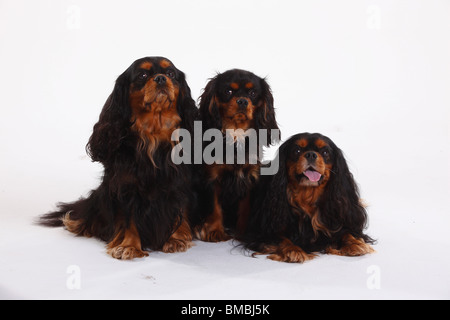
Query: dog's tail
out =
(51, 219)
(83, 217)
(74, 216)
(56, 219)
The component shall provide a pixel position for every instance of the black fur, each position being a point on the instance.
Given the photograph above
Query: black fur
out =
(273, 218)
(156, 197)
(235, 183)
(213, 92)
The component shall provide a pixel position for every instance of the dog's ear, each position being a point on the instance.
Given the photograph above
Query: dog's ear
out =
(270, 210)
(113, 124)
(186, 105)
(340, 204)
(209, 110)
(265, 114)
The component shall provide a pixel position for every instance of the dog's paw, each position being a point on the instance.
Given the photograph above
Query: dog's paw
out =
(126, 253)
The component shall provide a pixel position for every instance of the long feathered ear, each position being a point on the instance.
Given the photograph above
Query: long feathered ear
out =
(186, 105)
(209, 111)
(113, 124)
(265, 114)
(340, 205)
(270, 208)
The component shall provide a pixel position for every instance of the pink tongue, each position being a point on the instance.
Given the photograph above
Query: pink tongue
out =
(313, 176)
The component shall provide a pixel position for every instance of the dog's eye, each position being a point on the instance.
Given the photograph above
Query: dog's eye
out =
(170, 74)
(325, 153)
(252, 93)
(229, 92)
(143, 76)
(297, 152)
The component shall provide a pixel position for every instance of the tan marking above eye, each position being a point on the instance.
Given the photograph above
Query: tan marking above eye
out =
(165, 64)
(320, 143)
(302, 143)
(146, 65)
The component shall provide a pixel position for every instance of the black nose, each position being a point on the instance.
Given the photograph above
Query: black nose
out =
(242, 103)
(160, 79)
(311, 156)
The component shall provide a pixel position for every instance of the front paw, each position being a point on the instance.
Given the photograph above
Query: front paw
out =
(352, 247)
(126, 253)
(293, 255)
(357, 249)
(212, 234)
(176, 245)
(287, 251)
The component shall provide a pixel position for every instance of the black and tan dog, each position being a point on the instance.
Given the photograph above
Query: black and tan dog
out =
(144, 199)
(236, 100)
(311, 205)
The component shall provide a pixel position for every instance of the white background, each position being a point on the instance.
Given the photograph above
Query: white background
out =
(372, 75)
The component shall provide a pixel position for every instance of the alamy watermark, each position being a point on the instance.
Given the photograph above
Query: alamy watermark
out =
(190, 149)
(73, 21)
(374, 279)
(73, 281)
(373, 17)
